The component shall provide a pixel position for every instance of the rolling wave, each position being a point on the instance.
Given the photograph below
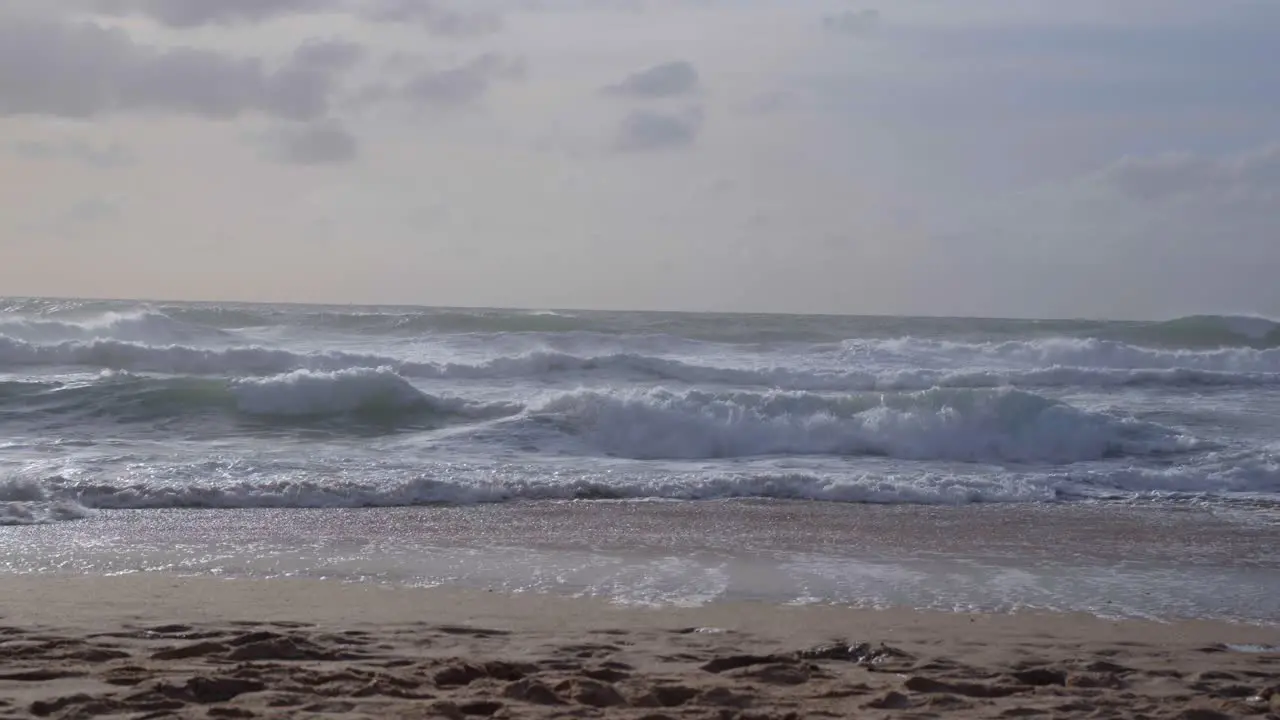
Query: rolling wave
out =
(885, 365)
(1219, 330)
(366, 395)
(969, 425)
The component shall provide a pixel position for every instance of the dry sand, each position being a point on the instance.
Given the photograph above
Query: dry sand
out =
(159, 646)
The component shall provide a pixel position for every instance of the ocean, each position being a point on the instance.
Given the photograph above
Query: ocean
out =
(1127, 467)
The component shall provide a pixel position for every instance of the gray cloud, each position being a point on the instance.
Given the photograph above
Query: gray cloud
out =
(89, 211)
(328, 55)
(81, 70)
(320, 143)
(853, 22)
(194, 13)
(108, 156)
(462, 84)
(645, 130)
(770, 101)
(1184, 175)
(435, 16)
(669, 79)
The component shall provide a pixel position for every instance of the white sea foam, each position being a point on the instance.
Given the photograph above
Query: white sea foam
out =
(25, 501)
(461, 485)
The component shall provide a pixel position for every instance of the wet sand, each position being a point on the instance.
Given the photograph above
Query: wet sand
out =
(156, 645)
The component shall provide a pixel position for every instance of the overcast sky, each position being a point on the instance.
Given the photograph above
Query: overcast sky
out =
(1101, 158)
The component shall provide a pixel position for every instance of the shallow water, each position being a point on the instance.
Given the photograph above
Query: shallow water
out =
(1155, 562)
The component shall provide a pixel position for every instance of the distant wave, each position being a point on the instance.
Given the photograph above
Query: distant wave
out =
(1058, 352)
(1220, 330)
(175, 322)
(133, 326)
(867, 365)
(426, 322)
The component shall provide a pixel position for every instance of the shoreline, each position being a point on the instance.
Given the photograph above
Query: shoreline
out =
(83, 646)
(1111, 562)
(77, 599)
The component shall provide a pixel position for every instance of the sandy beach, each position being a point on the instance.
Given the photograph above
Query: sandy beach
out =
(155, 645)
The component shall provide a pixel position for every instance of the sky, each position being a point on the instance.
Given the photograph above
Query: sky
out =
(1014, 158)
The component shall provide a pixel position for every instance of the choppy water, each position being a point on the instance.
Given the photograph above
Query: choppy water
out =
(135, 405)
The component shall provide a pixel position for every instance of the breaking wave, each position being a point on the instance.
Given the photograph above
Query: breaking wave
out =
(977, 425)
(999, 426)
(24, 501)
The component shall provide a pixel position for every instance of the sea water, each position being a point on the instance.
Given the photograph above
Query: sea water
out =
(124, 420)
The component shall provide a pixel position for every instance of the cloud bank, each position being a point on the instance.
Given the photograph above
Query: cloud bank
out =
(1033, 158)
(81, 70)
